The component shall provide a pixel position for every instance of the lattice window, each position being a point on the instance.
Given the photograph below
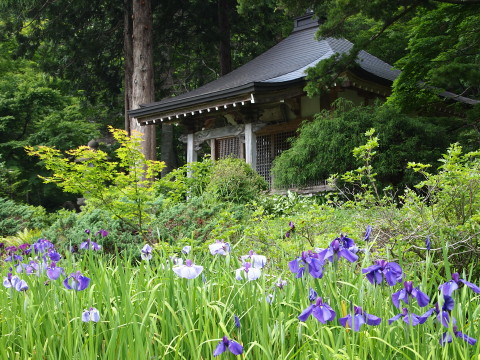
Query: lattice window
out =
(227, 147)
(268, 148)
(264, 156)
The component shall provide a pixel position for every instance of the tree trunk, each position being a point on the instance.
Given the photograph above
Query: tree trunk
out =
(142, 84)
(128, 56)
(224, 49)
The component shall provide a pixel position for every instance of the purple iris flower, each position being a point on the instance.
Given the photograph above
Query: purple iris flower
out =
(14, 282)
(10, 249)
(368, 232)
(322, 312)
(102, 233)
(410, 291)
(25, 248)
(87, 231)
(292, 229)
(450, 286)
(91, 315)
(186, 249)
(220, 247)
(90, 244)
(443, 313)
(390, 270)
(312, 295)
(409, 318)
(54, 272)
(234, 347)
(54, 255)
(340, 247)
(13, 257)
(428, 243)
(237, 321)
(359, 318)
(41, 246)
(447, 338)
(310, 260)
(76, 281)
(247, 272)
(146, 252)
(32, 268)
(189, 270)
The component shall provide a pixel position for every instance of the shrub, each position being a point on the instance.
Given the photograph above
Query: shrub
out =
(16, 217)
(234, 180)
(324, 146)
(189, 180)
(69, 227)
(199, 220)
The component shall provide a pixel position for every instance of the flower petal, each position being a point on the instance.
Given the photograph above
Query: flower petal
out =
(474, 287)
(221, 348)
(306, 313)
(348, 255)
(235, 348)
(421, 297)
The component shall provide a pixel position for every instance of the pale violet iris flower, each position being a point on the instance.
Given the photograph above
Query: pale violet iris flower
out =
(54, 272)
(91, 315)
(76, 281)
(186, 249)
(189, 270)
(219, 247)
(257, 261)
(146, 252)
(247, 272)
(15, 282)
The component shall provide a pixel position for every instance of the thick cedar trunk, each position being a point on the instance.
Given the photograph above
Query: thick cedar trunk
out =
(142, 84)
(224, 50)
(128, 56)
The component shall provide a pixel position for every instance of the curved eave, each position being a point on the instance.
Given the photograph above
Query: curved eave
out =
(173, 108)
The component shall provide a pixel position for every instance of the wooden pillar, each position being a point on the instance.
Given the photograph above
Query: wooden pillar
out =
(213, 149)
(191, 153)
(250, 146)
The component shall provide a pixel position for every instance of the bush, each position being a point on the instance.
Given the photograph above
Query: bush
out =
(189, 180)
(235, 181)
(69, 230)
(199, 220)
(324, 146)
(16, 217)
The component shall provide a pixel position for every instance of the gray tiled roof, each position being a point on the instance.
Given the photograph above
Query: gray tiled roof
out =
(286, 62)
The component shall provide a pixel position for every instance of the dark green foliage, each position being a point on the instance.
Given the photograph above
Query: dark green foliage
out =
(195, 219)
(34, 110)
(442, 54)
(16, 217)
(69, 230)
(235, 181)
(324, 146)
